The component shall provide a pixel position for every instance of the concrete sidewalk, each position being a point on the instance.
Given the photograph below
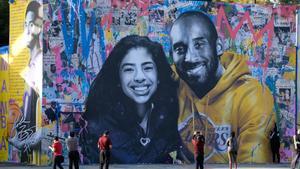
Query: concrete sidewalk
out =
(156, 166)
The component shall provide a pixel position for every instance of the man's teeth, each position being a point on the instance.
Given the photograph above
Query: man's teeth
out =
(196, 69)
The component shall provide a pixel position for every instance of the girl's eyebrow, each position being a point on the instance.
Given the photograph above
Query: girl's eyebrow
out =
(145, 63)
(127, 64)
(133, 64)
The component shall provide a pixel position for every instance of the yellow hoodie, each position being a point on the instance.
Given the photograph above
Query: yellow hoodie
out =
(237, 103)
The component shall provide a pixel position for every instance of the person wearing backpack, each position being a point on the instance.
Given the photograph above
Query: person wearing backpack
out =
(232, 150)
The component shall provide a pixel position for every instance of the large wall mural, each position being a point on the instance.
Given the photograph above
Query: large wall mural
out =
(81, 35)
(134, 67)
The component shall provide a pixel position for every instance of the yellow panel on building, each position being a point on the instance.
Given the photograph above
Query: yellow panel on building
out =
(4, 98)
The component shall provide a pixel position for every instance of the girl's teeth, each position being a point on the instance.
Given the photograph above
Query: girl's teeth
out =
(140, 88)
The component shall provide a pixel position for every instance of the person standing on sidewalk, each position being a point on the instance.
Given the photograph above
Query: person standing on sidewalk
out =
(198, 142)
(57, 152)
(275, 144)
(232, 150)
(72, 145)
(104, 145)
(297, 147)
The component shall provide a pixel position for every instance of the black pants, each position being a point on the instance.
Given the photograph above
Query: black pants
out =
(57, 162)
(104, 158)
(275, 153)
(199, 158)
(73, 159)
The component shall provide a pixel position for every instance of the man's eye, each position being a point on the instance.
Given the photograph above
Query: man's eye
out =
(180, 50)
(198, 45)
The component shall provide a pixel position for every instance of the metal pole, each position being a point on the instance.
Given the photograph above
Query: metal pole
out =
(297, 69)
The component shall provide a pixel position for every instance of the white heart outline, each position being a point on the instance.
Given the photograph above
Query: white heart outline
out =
(144, 141)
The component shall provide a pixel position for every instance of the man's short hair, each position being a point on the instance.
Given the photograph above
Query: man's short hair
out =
(202, 15)
(72, 134)
(106, 132)
(233, 134)
(53, 103)
(34, 7)
(56, 138)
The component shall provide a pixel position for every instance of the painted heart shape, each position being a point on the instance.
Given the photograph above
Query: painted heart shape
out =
(145, 141)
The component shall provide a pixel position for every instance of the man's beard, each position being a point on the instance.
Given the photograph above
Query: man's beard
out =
(201, 85)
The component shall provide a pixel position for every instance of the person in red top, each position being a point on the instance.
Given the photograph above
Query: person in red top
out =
(198, 142)
(104, 145)
(57, 152)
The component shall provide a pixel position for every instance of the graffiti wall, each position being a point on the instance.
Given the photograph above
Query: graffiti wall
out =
(253, 78)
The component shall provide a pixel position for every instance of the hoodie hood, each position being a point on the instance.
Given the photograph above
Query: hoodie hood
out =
(235, 67)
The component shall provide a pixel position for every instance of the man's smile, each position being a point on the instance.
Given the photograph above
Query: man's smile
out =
(196, 68)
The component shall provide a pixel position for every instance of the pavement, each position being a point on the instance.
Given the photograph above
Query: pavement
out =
(151, 166)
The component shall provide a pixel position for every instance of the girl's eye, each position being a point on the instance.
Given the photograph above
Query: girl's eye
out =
(148, 68)
(128, 69)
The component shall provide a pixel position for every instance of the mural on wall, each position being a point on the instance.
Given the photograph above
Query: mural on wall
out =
(254, 56)
(24, 122)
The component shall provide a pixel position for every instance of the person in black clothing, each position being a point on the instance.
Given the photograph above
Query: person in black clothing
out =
(297, 148)
(52, 113)
(275, 144)
(135, 97)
